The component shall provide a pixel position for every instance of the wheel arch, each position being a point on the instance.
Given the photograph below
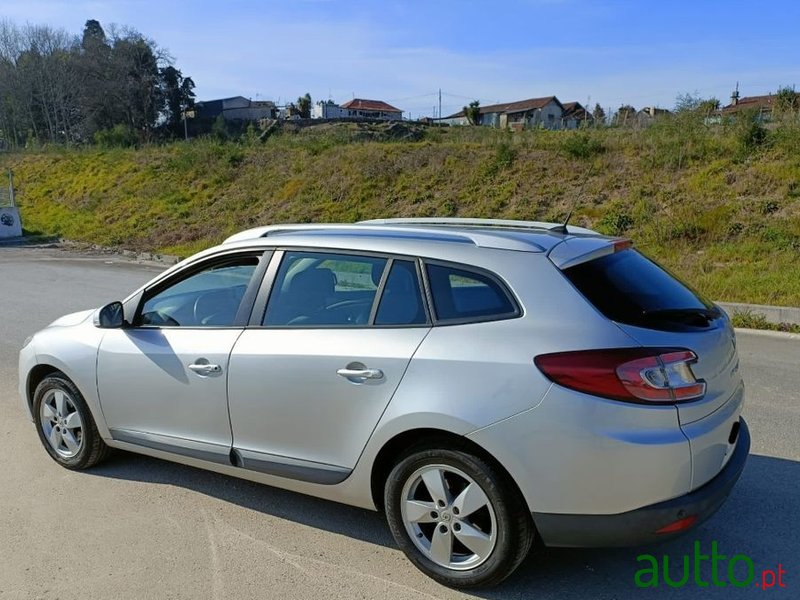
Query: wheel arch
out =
(419, 438)
(35, 376)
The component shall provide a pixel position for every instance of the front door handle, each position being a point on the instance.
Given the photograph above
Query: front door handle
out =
(204, 368)
(358, 373)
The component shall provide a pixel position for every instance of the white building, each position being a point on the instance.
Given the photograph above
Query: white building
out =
(328, 110)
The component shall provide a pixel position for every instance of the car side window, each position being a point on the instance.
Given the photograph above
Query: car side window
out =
(318, 288)
(208, 298)
(401, 302)
(460, 294)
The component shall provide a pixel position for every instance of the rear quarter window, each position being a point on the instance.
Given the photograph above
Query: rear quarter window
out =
(464, 295)
(629, 288)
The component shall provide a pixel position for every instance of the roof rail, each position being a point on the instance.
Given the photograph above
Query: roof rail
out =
(341, 229)
(476, 237)
(467, 222)
(265, 230)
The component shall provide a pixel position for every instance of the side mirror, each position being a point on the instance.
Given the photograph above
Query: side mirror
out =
(111, 316)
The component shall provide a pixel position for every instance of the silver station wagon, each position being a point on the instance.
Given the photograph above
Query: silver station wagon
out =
(487, 384)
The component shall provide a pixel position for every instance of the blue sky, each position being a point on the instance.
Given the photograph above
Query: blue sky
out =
(642, 53)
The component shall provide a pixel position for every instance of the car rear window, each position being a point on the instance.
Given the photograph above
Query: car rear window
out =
(628, 287)
(465, 295)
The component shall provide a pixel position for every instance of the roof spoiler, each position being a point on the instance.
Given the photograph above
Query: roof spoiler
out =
(577, 250)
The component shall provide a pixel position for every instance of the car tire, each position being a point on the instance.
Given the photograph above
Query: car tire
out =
(65, 424)
(485, 544)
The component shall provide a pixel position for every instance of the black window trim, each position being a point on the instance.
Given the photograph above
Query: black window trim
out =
(515, 314)
(376, 301)
(423, 295)
(259, 311)
(245, 306)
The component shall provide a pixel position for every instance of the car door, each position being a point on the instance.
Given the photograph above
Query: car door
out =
(309, 381)
(162, 381)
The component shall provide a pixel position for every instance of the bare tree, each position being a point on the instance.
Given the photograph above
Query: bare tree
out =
(58, 87)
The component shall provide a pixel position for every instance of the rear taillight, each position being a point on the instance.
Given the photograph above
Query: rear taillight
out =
(644, 375)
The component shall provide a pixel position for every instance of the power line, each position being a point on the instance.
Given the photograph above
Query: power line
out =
(412, 97)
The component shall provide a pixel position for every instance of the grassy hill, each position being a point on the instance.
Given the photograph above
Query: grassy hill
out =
(720, 206)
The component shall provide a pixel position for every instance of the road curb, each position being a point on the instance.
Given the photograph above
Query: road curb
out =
(131, 255)
(773, 314)
(781, 335)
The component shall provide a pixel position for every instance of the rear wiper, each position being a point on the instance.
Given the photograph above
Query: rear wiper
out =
(706, 313)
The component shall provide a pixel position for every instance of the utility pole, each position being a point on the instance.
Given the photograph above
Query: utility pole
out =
(440, 103)
(185, 125)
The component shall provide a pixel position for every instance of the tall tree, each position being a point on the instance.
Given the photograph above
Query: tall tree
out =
(599, 114)
(97, 82)
(64, 88)
(178, 92)
(93, 35)
(473, 112)
(304, 106)
(138, 98)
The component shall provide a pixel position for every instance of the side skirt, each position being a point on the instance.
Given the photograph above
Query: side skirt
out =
(269, 464)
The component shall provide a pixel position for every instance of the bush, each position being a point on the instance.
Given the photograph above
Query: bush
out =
(219, 129)
(615, 222)
(751, 320)
(582, 145)
(503, 158)
(748, 131)
(786, 137)
(119, 136)
(676, 141)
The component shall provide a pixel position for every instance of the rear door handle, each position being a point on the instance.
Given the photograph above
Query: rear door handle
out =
(205, 368)
(360, 374)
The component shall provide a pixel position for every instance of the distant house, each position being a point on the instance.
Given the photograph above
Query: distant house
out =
(575, 115)
(535, 112)
(357, 108)
(236, 108)
(763, 104)
(648, 114)
(372, 109)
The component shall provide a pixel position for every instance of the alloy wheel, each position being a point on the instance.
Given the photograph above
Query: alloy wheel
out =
(61, 423)
(449, 518)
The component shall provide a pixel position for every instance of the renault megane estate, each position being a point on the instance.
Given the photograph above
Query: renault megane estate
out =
(485, 383)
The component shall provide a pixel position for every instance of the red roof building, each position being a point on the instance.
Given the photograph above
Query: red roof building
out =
(763, 104)
(372, 109)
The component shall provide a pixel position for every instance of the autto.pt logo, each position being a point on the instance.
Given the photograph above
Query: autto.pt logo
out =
(707, 569)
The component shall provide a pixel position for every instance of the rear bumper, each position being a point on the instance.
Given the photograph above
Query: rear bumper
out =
(637, 527)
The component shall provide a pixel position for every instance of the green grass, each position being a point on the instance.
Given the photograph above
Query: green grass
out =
(751, 320)
(719, 206)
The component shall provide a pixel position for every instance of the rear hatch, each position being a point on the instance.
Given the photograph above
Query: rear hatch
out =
(657, 310)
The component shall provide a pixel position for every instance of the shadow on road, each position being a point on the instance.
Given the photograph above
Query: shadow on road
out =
(29, 240)
(759, 520)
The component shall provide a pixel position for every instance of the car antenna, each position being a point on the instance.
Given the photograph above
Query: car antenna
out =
(563, 227)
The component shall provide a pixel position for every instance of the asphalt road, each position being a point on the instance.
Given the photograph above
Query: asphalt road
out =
(137, 527)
